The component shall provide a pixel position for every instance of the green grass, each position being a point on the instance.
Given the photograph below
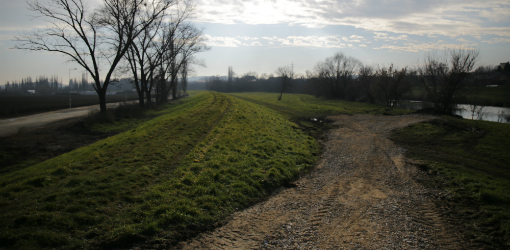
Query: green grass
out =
(169, 177)
(128, 116)
(469, 159)
(493, 96)
(12, 106)
(300, 105)
(488, 96)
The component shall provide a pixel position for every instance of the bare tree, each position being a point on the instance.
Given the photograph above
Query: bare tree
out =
(366, 77)
(444, 77)
(184, 77)
(142, 58)
(286, 74)
(391, 84)
(230, 74)
(185, 40)
(93, 39)
(230, 81)
(335, 75)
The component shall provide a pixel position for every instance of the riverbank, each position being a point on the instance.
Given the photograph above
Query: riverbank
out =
(495, 96)
(467, 162)
(467, 111)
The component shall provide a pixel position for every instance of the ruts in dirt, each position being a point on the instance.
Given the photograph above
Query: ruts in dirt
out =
(361, 195)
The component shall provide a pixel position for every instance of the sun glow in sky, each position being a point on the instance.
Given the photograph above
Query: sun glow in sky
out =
(261, 35)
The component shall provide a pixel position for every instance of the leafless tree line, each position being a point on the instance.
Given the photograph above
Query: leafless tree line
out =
(151, 39)
(443, 78)
(42, 84)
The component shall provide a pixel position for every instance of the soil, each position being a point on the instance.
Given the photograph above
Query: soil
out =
(363, 194)
(31, 145)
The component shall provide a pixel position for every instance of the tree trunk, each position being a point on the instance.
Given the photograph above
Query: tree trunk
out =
(149, 99)
(163, 96)
(174, 89)
(141, 101)
(102, 101)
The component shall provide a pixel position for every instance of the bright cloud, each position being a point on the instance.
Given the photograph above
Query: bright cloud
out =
(434, 17)
(219, 41)
(313, 41)
(400, 43)
(416, 47)
(497, 40)
(354, 39)
(385, 37)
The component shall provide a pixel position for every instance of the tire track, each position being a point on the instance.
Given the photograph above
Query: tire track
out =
(182, 153)
(218, 133)
(360, 195)
(437, 227)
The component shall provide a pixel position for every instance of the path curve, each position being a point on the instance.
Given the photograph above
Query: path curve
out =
(13, 125)
(362, 195)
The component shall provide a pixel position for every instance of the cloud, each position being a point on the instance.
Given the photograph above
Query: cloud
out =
(309, 41)
(416, 47)
(433, 17)
(354, 39)
(497, 40)
(463, 40)
(246, 38)
(396, 43)
(15, 15)
(219, 41)
(385, 37)
(292, 41)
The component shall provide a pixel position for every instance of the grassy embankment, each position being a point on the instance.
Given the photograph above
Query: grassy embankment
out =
(168, 178)
(301, 108)
(490, 96)
(300, 105)
(470, 159)
(26, 149)
(14, 105)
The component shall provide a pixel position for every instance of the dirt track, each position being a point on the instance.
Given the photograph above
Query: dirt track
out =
(362, 195)
(13, 125)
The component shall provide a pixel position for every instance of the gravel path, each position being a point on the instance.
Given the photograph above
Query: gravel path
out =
(362, 195)
(13, 125)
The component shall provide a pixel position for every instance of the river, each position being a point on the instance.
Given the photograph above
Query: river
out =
(485, 113)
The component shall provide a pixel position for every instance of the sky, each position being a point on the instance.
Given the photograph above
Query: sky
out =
(262, 35)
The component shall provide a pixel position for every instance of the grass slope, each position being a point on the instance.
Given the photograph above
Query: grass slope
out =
(469, 159)
(300, 105)
(180, 172)
(490, 96)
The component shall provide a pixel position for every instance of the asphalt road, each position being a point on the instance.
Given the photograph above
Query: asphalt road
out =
(12, 125)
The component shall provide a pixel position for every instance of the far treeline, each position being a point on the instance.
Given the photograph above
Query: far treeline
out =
(45, 86)
(152, 41)
(444, 79)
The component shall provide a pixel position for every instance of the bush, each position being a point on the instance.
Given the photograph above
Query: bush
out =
(123, 111)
